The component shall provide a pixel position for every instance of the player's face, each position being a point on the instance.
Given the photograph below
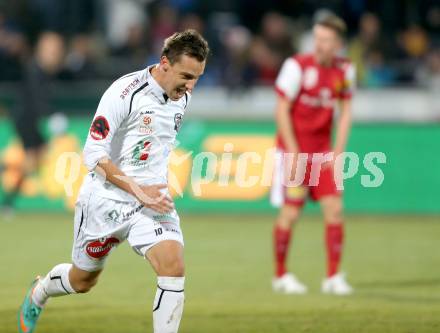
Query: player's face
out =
(327, 43)
(181, 76)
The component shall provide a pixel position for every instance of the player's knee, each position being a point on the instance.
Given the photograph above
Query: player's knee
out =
(293, 216)
(171, 267)
(334, 216)
(166, 258)
(288, 216)
(175, 267)
(332, 210)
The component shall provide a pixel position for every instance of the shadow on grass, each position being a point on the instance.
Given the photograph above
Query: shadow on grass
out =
(394, 290)
(400, 298)
(400, 283)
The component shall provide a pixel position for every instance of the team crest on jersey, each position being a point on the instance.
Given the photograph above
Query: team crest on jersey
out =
(338, 86)
(178, 117)
(310, 79)
(100, 128)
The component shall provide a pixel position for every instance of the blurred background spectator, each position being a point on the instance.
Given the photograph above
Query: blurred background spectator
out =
(13, 48)
(38, 78)
(58, 57)
(392, 43)
(369, 51)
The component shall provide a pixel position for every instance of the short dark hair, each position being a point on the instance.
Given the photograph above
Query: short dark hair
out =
(188, 42)
(333, 22)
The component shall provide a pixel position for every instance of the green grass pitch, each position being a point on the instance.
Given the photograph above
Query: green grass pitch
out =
(393, 262)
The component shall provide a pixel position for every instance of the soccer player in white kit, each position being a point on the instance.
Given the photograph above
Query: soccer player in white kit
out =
(125, 196)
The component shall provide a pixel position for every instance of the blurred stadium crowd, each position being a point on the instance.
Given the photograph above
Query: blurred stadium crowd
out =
(391, 42)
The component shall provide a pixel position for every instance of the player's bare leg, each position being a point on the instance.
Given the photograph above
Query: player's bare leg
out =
(63, 279)
(283, 281)
(334, 236)
(288, 216)
(82, 281)
(166, 258)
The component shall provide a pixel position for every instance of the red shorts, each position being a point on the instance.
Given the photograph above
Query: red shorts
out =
(297, 195)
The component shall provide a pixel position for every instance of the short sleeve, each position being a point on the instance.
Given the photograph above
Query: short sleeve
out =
(349, 83)
(288, 82)
(110, 114)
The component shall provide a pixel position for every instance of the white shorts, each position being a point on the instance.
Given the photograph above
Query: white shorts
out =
(101, 224)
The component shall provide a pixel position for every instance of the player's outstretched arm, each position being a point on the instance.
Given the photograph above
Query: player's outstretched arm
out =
(285, 130)
(287, 86)
(345, 106)
(150, 196)
(343, 127)
(284, 126)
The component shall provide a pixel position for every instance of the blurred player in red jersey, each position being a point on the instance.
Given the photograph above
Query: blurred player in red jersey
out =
(308, 87)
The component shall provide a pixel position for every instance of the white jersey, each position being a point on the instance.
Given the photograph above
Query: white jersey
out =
(135, 126)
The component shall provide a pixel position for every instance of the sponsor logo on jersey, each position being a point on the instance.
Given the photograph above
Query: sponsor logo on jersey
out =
(113, 216)
(161, 217)
(310, 79)
(100, 128)
(130, 213)
(146, 120)
(323, 100)
(120, 217)
(129, 88)
(142, 150)
(99, 248)
(145, 123)
(178, 117)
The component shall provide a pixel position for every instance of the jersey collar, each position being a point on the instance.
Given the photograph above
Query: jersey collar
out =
(156, 89)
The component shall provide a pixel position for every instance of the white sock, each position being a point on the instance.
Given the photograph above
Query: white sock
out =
(168, 304)
(55, 283)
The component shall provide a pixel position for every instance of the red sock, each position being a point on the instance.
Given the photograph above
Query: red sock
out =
(281, 241)
(334, 236)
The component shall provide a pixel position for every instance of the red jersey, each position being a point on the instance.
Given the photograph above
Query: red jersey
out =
(314, 90)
